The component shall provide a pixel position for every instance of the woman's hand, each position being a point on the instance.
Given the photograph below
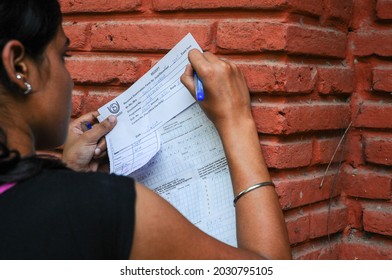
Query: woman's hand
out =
(86, 146)
(227, 100)
(261, 227)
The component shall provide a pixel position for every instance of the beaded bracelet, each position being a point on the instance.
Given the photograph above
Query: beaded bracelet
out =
(256, 186)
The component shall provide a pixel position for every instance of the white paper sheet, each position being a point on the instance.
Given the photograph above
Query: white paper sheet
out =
(148, 104)
(172, 147)
(190, 171)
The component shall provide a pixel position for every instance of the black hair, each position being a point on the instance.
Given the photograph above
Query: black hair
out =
(34, 23)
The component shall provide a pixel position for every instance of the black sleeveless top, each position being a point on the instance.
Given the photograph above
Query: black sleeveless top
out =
(61, 214)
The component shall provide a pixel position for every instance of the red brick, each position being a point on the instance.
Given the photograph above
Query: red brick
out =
(99, 6)
(77, 33)
(324, 149)
(377, 218)
(170, 5)
(297, 226)
(304, 189)
(245, 36)
(250, 36)
(354, 214)
(382, 79)
(315, 41)
(378, 149)
(374, 115)
(317, 250)
(279, 77)
(363, 14)
(363, 78)
(366, 183)
(342, 9)
(287, 154)
(371, 41)
(78, 99)
(333, 80)
(338, 9)
(314, 7)
(277, 118)
(319, 220)
(354, 248)
(328, 9)
(384, 9)
(148, 35)
(106, 69)
(354, 148)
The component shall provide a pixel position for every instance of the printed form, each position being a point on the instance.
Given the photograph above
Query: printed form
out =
(148, 104)
(164, 140)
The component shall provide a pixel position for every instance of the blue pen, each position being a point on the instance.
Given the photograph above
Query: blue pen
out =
(86, 126)
(198, 87)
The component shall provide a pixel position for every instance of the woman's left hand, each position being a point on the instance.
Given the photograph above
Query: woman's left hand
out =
(85, 145)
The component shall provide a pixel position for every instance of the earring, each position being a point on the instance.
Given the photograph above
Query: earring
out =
(27, 85)
(28, 88)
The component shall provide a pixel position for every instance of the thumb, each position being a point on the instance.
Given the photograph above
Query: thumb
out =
(101, 129)
(187, 79)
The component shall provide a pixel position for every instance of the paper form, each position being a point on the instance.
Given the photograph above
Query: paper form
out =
(148, 104)
(135, 155)
(172, 147)
(190, 171)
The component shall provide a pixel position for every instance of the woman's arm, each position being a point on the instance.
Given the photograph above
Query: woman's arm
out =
(161, 232)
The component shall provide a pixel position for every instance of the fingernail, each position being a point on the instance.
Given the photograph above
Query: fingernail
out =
(112, 119)
(97, 151)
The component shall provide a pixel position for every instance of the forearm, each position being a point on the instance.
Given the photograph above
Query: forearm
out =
(260, 223)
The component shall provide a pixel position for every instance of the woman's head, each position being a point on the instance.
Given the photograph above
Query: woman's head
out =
(32, 48)
(32, 22)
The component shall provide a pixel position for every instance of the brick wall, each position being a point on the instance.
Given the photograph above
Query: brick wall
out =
(313, 66)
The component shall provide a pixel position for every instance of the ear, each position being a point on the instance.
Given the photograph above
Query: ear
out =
(14, 61)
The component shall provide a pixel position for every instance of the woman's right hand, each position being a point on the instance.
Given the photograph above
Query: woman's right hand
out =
(261, 227)
(261, 230)
(227, 100)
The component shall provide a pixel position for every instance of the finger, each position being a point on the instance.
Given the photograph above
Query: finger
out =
(85, 120)
(100, 130)
(187, 79)
(197, 60)
(93, 166)
(101, 156)
(200, 63)
(210, 57)
(101, 148)
(89, 117)
(104, 168)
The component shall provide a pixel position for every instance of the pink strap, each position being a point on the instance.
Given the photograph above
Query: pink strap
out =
(6, 187)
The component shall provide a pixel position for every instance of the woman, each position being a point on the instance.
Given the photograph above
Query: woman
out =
(48, 211)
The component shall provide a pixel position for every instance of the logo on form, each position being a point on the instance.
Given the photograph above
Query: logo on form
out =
(114, 108)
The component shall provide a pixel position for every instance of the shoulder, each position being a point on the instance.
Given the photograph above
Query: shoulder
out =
(79, 187)
(76, 215)
(78, 180)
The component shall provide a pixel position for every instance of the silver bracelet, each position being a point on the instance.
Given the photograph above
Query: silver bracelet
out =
(256, 186)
